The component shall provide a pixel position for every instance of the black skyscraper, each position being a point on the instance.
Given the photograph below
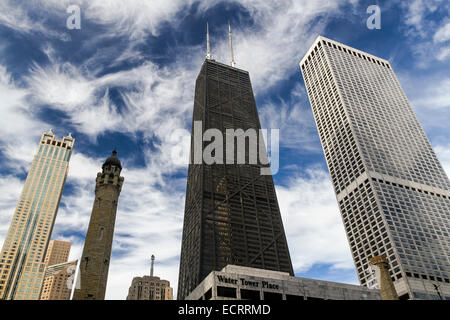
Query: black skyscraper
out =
(231, 211)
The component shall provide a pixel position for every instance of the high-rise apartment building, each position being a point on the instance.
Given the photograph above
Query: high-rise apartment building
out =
(57, 271)
(57, 252)
(231, 210)
(58, 280)
(393, 193)
(22, 256)
(94, 263)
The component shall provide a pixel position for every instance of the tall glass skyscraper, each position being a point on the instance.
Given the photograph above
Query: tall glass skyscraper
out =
(231, 213)
(22, 256)
(393, 193)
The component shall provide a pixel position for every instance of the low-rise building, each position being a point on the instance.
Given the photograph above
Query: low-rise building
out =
(244, 283)
(150, 288)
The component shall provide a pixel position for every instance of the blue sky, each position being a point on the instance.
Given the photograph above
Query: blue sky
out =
(126, 80)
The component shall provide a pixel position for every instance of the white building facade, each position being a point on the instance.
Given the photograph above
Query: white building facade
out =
(392, 191)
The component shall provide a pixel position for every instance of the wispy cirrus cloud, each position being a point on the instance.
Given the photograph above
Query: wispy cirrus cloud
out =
(294, 119)
(282, 32)
(18, 18)
(428, 34)
(18, 125)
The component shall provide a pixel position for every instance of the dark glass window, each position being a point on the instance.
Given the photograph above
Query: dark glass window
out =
(208, 294)
(314, 299)
(250, 294)
(273, 296)
(293, 297)
(226, 292)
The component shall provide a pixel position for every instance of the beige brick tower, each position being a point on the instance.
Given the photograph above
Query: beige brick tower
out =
(387, 288)
(94, 264)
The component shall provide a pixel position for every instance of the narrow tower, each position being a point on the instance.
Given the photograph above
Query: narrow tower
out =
(230, 39)
(94, 263)
(208, 45)
(152, 265)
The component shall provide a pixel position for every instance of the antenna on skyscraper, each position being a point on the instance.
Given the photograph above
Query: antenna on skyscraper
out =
(230, 39)
(208, 48)
(151, 267)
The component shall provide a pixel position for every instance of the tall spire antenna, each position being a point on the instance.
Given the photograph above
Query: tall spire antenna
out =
(233, 63)
(208, 48)
(152, 266)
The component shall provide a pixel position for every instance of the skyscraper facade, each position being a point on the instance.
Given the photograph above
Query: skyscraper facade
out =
(55, 284)
(57, 252)
(231, 210)
(392, 191)
(94, 264)
(22, 256)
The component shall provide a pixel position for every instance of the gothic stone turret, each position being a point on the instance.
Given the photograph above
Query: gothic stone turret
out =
(94, 264)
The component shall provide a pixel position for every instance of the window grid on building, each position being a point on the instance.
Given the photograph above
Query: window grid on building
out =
(393, 193)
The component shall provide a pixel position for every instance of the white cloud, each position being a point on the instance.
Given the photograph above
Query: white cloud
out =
(444, 53)
(17, 18)
(417, 12)
(433, 95)
(283, 32)
(442, 34)
(149, 92)
(18, 126)
(426, 33)
(294, 119)
(443, 153)
(312, 221)
(10, 188)
(134, 17)
(60, 85)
